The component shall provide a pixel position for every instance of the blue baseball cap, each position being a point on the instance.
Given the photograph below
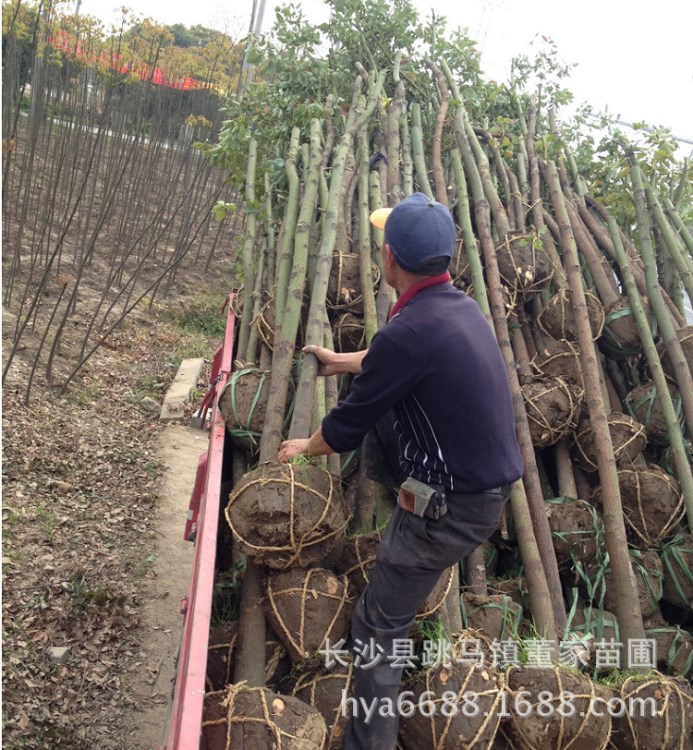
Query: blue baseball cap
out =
(420, 233)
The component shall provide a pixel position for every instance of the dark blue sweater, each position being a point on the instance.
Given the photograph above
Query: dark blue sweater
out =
(438, 365)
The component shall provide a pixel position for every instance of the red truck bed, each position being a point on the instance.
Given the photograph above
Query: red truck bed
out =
(202, 527)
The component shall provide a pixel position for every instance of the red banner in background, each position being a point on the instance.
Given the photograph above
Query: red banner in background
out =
(65, 42)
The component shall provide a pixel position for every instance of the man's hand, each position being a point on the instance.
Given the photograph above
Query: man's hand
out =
(328, 361)
(315, 445)
(291, 448)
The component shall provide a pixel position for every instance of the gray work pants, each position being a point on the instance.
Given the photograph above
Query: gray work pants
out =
(411, 557)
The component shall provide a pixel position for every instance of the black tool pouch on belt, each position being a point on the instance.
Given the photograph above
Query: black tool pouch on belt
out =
(429, 500)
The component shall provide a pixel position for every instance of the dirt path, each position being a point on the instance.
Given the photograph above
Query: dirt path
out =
(179, 449)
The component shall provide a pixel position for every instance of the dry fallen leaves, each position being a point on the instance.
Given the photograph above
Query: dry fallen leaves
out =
(80, 484)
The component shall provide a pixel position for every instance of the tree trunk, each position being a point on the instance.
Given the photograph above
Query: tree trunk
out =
(625, 588)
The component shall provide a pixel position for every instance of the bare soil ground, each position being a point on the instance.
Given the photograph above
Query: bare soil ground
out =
(94, 500)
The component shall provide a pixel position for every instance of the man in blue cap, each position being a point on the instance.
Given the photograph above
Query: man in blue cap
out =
(437, 366)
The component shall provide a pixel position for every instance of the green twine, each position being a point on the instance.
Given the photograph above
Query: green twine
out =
(650, 398)
(596, 532)
(510, 621)
(614, 344)
(672, 553)
(244, 433)
(678, 642)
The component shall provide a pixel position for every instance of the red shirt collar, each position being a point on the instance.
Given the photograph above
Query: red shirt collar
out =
(409, 294)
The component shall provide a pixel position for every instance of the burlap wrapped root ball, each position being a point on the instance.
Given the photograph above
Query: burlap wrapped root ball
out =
(665, 723)
(495, 616)
(677, 571)
(644, 404)
(674, 650)
(628, 438)
(220, 652)
(559, 359)
(592, 625)
(652, 504)
(306, 607)
(522, 262)
(471, 697)
(266, 319)
(344, 287)
(667, 459)
(221, 657)
(647, 569)
(284, 514)
(552, 406)
(515, 588)
(245, 718)
(326, 690)
(243, 405)
(540, 720)
(459, 268)
(349, 333)
(358, 559)
(601, 624)
(576, 529)
(620, 338)
(685, 338)
(558, 319)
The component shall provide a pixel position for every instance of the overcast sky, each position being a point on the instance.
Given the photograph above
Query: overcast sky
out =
(634, 58)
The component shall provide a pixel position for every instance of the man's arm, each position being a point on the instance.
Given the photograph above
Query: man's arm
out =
(315, 445)
(332, 363)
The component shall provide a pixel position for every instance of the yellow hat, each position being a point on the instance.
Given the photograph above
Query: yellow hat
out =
(379, 217)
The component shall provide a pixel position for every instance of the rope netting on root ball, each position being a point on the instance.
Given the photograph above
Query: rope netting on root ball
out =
(305, 607)
(677, 563)
(558, 320)
(628, 438)
(666, 722)
(326, 691)
(243, 405)
(283, 514)
(222, 642)
(349, 333)
(221, 652)
(344, 287)
(436, 599)
(577, 531)
(552, 406)
(523, 263)
(559, 359)
(459, 268)
(448, 721)
(539, 718)
(644, 404)
(257, 718)
(358, 557)
(265, 321)
(685, 338)
(652, 504)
